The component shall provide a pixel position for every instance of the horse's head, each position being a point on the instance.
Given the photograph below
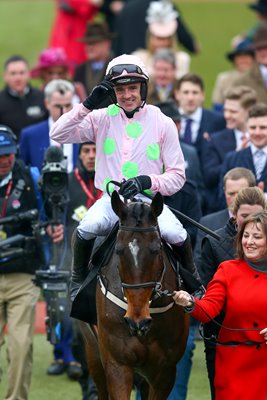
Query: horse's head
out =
(141, 264)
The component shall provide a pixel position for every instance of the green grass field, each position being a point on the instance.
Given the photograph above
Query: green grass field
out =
(46, 387)
(25, 27)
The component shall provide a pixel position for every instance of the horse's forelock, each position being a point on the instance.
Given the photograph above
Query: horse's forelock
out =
(139, 212)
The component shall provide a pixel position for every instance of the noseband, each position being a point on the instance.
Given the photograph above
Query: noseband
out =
(156, 285)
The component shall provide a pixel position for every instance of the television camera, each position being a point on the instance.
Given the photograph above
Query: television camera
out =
(53, 281)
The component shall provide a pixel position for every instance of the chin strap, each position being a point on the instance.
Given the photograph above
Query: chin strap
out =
(130, 114)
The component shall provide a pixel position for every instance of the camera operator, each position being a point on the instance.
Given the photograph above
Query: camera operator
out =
(18, 293)
(54, 281)
(83, 194)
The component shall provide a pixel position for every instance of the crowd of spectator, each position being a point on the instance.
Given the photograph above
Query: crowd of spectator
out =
(224, 147)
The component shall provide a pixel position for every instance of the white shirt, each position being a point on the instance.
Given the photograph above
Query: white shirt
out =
(67, 148)
(196, 120)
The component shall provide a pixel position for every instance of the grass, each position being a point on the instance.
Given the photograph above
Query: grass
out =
(25, 27)
(46, 387)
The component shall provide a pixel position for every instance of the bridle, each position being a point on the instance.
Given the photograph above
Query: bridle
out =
(156, 285)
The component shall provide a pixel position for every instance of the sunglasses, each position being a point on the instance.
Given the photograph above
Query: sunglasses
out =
(130, 68)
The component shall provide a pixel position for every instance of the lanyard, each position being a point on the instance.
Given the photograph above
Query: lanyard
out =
(91, 198)
(9, 187)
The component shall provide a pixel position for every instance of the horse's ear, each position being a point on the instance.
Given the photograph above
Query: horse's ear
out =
(157, 204)
(117, 205)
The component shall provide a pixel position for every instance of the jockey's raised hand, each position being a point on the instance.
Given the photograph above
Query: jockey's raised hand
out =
(99, 94)
(136, 185)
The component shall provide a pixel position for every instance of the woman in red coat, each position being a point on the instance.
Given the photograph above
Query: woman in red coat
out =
(239, 288)
(70, 23)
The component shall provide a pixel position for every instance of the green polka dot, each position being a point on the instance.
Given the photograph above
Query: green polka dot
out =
(153, 151)
(147, 191)
(109, 146)
(130, 169)
(134, 129)
(113, 110)
(111, 187)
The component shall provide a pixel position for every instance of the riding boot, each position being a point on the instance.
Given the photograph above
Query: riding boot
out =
(82, 250)
(185, 255)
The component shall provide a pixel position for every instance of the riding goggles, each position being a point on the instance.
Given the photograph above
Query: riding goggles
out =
(117, 70)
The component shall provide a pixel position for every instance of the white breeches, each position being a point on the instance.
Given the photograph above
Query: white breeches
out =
(100, 219)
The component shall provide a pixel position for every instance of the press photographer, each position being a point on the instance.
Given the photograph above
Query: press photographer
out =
(18, 293)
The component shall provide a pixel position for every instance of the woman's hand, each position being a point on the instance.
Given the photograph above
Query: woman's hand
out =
(264, 332)
(183, 299)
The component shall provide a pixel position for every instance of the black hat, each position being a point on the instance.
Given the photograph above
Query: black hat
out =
(243, 47)
(260, 37)
(260, 7)
(170, 109)
(7, 141)
(96, 32)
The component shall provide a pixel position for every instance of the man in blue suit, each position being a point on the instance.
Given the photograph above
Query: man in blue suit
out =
(253, 157)
(199, 122)
(237, 103)
(34, 140)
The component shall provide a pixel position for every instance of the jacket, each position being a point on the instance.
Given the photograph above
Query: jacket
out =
(22, 198)
(125, 148)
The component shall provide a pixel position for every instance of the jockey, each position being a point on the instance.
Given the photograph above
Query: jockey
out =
(135, 142)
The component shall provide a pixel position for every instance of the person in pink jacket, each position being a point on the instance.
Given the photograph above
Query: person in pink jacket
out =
(239, 289)
(135, 142)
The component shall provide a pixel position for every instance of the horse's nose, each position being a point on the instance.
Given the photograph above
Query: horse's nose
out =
(140, 328)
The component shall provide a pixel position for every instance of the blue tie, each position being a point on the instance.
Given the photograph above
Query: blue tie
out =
(188, 131)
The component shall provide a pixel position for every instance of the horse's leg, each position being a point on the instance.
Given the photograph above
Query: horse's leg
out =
(93, 359)
(119, 380)
(162, 384)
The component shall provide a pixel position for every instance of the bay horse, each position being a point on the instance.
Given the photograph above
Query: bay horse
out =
(138, 330)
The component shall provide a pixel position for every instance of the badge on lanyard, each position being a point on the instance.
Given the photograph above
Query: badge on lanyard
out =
(15, 204)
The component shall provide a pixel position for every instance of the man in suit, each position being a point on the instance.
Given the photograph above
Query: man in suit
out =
(97, 41)
(256, 76)
(235, 137)
(34, 140)
(253, 157)
(161, 87)
(199, 122)
(20, 103)
(234, 180)
(192, 164)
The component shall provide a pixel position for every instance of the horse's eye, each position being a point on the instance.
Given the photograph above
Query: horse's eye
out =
(154, 247)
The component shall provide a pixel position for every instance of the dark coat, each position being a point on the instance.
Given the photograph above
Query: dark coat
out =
(187, 202)
(212, 157)
(242, 158)
(211, 122)
(18, 112)
(213, 221)
(214, 251)
(131, 28)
